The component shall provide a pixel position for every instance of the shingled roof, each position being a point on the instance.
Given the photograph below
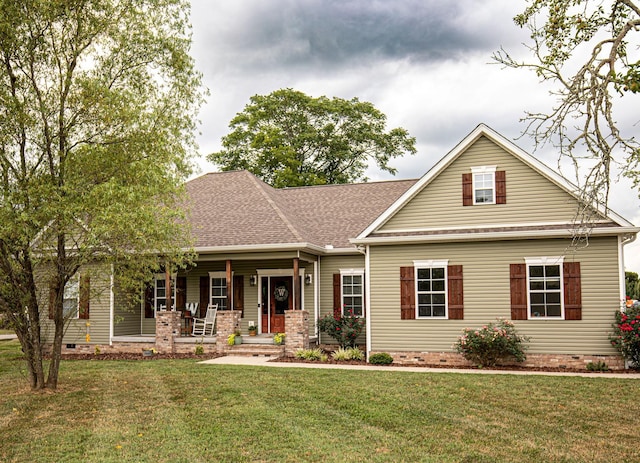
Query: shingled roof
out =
(236, 209)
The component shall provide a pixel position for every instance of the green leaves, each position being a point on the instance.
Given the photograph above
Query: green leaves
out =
(289, 139)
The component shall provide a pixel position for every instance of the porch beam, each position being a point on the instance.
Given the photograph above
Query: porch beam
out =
(229, 284)
(296, 284)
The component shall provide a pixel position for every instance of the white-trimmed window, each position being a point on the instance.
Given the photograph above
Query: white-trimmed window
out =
(71, 299)
(484, 184)
(218, 289)
(431, 288)
(545, 289)
(160, 291)
(352, 290)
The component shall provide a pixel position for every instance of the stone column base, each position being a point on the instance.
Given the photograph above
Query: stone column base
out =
(167, 329)
(227, 322)
(296, 328)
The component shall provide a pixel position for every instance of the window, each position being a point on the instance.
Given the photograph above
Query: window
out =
(544, 283)
(431, 289)
(484, 191)
(160, 292)
(218, 287)
(71, 299)
(352, 292)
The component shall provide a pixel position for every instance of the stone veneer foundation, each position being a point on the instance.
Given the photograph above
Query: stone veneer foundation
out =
(296, 327)
(453, 359)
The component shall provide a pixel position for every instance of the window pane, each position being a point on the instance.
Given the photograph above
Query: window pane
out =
(537, 298)
(357, 279)
(554, 311)
(552, 270)
(347, 279)
(424, 273)
(438, 285)
(424, 285)
(437, 273)
(553, 283)
(536, 271)
(536, 285)
(424, 299)
(438, 311)
(424, 311)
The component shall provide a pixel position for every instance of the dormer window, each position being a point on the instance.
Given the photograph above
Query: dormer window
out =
(484, 185)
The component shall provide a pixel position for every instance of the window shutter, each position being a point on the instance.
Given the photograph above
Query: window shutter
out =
(238, 293)
(455, 293)
(52, 300)
(204, 296)
(85, 296)
(572, 291)
(181, 293)
(407, 294)
(148, 301)
(501, 187)
(337, 295)
(467, 189)
(518, 275)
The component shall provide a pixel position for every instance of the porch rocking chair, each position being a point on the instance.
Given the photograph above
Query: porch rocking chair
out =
(203, 325)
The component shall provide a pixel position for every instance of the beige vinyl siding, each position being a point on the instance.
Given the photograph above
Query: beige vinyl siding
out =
(127, 315)
(531, 198)
(487, 295)
(97, 325)
(328, 266)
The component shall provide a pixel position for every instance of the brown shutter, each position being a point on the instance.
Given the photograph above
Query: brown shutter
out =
(572, 291)
(455, 293)
(52, 300)
(501, 187)
(518, 276)
(181, 293)
(85, 296)
(148, 301)
(204, 296)
(337, 295)
(407, 294)
(467, 190)
(238, 293)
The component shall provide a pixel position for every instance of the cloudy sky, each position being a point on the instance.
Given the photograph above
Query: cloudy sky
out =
(426, 64)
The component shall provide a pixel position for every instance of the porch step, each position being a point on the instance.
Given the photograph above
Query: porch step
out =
(255, 350)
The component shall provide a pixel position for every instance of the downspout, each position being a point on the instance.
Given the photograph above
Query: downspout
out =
(367, 295)
(316, 297)
(111, 307)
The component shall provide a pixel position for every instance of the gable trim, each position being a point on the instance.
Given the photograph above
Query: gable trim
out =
(507, 145)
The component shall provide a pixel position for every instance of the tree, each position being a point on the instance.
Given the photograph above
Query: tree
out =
(98, 100)
(590, 51)
(287, 138)
(632, 285)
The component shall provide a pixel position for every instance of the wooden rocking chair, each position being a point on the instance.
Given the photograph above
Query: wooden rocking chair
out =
(202, 326)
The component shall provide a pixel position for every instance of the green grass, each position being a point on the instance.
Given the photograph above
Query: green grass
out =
(180, 411)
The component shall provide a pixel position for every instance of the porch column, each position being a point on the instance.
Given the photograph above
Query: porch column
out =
(296, 284)
(229, 285)
(296, 328)
(167, 329)
(227, 322)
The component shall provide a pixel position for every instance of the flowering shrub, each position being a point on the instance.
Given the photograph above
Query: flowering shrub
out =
(343, 328)
(626, 335)
(492, 343)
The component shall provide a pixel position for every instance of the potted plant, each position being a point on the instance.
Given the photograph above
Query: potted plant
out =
(278, 338)
(253, 330)
(234, 338)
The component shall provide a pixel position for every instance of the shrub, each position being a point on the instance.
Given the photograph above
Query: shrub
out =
(492, 343)
(626, 335)
(350, 353)
(380, 358)
(200, 349)
(597, 366)
(311, 354)
(343, 328)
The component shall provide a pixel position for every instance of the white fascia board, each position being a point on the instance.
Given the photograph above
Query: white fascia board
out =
(492, 236)
(275, 247)
(508, 146)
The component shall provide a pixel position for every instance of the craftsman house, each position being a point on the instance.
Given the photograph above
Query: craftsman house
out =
(486, 233)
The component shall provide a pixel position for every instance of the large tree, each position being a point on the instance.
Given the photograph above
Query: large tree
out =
(98, 100)
(589, 51)
(288, 138)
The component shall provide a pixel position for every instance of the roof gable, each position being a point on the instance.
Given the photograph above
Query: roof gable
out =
(559, 193)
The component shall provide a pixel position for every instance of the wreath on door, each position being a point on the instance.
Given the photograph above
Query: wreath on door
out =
(281, 293)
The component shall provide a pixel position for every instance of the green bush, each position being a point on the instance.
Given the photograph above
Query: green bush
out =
(311, 354)
(343, 328)
(626, 335)
(350, 353)
(597, 366)
(492, 343)
(380, 358)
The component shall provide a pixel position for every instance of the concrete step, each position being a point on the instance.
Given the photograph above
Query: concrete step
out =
(255, 350)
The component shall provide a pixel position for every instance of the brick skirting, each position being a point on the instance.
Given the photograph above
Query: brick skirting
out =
(453, 359)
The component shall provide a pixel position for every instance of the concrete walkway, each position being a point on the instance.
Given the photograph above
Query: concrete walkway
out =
(264, 362)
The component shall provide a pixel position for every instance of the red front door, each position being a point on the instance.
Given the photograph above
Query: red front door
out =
(280, 297)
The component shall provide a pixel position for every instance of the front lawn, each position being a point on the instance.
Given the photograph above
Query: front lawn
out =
(180, 411)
